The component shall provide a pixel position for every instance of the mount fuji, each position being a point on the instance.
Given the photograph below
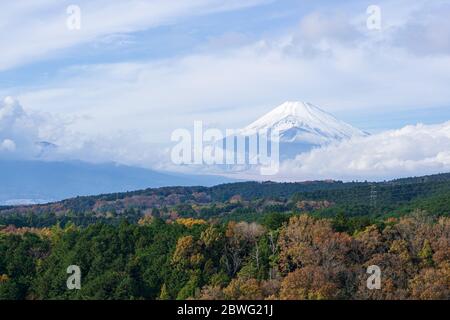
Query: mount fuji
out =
(302, 126)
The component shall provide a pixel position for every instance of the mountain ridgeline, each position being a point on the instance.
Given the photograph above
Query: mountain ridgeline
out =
(32, 182)
(249, 201)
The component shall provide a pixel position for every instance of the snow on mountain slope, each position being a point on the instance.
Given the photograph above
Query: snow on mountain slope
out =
(300, 122)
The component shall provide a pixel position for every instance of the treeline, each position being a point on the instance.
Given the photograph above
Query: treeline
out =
(82, 219)
(372, 198)
(360, 205)
(282, 256)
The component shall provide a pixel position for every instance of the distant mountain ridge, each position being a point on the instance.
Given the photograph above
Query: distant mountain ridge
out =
(390, 195)
(30, 182)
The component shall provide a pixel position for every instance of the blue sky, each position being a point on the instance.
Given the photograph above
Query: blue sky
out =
(203, 29)
(137, 70)
(183, 36)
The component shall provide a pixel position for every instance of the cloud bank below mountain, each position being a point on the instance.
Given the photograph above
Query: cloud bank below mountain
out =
(409, 151)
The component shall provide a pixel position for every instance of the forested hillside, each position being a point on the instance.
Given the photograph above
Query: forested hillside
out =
(248, 201)
(250, 240)
(303, 258)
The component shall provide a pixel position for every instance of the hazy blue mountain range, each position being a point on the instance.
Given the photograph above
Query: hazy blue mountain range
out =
(23, 182)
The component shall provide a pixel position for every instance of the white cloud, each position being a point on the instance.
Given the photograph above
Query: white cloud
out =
(412, 150)
(157, 97)
(17, 129)
(427, 31)
(22, 131)
(328, 59)
(37, 29)
(31, 135)
(7, 145)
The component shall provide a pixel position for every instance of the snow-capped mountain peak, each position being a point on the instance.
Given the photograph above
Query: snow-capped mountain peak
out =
(305, 123)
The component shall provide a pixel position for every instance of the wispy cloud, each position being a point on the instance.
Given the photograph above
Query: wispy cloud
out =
(37, 29)
(156, 97)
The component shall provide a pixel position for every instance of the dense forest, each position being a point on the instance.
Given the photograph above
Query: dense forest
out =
(237, 241)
